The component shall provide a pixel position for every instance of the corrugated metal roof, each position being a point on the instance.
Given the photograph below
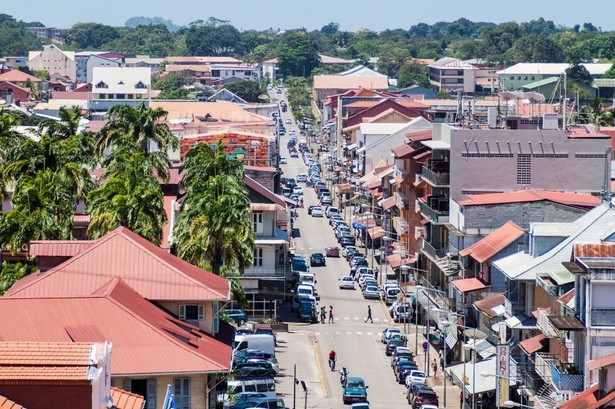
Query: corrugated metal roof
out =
(583, 400)
(126, 400)
(469, 284)
(487, 305)
(151, 271)
(6, 403)
(606, 249)
(495, 242)
(534, 344)
(137, 329)
(62, 248)
(594, 225)
(571, 199)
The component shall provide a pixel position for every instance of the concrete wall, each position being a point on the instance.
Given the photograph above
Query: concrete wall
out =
(487, 160)
(96, 61)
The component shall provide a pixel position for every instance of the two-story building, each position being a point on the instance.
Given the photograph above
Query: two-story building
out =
(452, 75)
(54, 60)
(113, 86)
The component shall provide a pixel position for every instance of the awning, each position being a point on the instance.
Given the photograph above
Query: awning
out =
(263, 206)
(395, 260)
(469, 284)
(269, 241)
(566, 323)
(534, 344)
(484, 348)
(520, 321)
(387, 203)
(562, 277)
(351, 147)
(376, 232)
(478, 383)
(361, 149)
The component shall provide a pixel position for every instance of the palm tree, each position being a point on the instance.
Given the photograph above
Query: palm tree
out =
(67, 126)
(11, 273)
(130, 196)
(141, 124)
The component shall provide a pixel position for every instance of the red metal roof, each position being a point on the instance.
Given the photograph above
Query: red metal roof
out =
(61, 248)
(492, 244)
(569, 199)
(420, 136)
(58, 361)
(534, 344)
(594, 249)
(388, 203)
(469, 284)
(486, 305)
(566, 298)
(395, 260)
(403, 150)
(137, 328)
(6, 403)
(126, 400)
(153, 272)
(583, 400)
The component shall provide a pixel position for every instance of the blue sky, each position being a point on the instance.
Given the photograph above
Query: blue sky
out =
(376, 15)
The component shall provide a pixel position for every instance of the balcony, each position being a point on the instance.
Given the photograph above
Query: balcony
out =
(435, 209)
(432, 251)
(258, 272)
(565, 377)
(603, 317)
(436, 177)
(545, 325)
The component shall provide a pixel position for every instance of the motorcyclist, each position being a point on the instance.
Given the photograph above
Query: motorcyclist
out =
(332, 357)
(343, 375)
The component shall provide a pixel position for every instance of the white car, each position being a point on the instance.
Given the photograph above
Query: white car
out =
(298, 190)
(318, 212)
(347, 282)
(288, 121)
(283, 160)
(302, 177)
(386, 334)
(415, 376)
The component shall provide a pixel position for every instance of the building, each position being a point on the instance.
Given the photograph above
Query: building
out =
(87, 60)
(119, 85)
(328, 85)
(14, 62)
(452, 75)
(55, 61)
(52, 33)
(522, 74)
(144, 61)
(58, 374)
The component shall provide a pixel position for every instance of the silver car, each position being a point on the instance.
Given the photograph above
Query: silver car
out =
(347, 282)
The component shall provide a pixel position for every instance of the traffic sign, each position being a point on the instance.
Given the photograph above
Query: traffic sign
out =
(425, 345)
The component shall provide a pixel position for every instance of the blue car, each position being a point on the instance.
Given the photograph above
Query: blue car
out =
(354, 390)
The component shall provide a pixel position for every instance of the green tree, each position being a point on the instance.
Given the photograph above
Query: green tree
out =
(536, 49)
(90, 35)
(213, 226)
(412, 74)
(247, 90)
(330, 29)
(11, 273)
(297, 55)
(610, 73)
(212, 39)
(391, 58)
(129, 196)
(15, 38)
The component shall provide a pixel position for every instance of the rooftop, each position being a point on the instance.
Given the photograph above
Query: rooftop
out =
(339, 82)
(527, 195)
(495, 242)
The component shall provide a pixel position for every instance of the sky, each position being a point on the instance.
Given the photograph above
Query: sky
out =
(376, 15)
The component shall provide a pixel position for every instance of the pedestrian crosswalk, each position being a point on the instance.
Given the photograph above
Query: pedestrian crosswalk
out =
(359, 318)
(353, 333)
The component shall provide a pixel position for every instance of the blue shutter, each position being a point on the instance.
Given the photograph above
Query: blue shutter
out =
(216, 308)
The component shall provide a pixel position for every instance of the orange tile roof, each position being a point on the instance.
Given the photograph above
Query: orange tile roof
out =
(6, 403)
(534, 344)
(583, 400)
(338, 82)
(227, 112)
(594, 249)
(18, 76)
(566, 298)
(486, 305)
(187, 67)
(151, 271)
(403, 150)
(138, 330)
(495, 242)
(569, 199)
(126, 400)
(388, 203)
(467, 285)
(58, 361)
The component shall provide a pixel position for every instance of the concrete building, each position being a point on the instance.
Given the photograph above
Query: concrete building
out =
(119, 85)
(55, 61)
(452, 75)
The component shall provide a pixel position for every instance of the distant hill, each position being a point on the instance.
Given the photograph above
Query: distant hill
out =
(147, 21)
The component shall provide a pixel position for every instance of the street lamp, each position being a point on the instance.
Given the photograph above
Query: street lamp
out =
(416, 322)
(470, 347)
(295, 383)
(511, 404)
(446, 324)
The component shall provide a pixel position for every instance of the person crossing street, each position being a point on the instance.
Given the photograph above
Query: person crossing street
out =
(369, 314)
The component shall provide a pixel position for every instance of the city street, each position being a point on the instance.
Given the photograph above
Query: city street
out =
(357, 343)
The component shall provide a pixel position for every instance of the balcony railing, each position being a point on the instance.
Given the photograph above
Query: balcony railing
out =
(545, 325)
(432, 251)
(549, 368)
(264, 272)
(603, 317)
(436, 178)
(436, 210)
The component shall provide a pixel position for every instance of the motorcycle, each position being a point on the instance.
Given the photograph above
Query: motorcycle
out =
(332, 364)
(343, 376)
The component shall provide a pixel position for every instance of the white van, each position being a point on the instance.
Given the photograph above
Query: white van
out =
(305, 290)
(266, 386)
(262, 342)
(331, 210)
(306, 278)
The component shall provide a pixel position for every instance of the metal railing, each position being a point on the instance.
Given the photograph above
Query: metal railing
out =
(435, 178)
(264, 272)
(432, 251)
(548, 366)
(545, 325)
(543, 365)
(603, 317)
(436, 216)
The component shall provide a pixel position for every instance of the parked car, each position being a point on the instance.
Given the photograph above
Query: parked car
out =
(317, 212)
(423, 397)
(302, 177)
(371, 292)
(283, 160)
(403, 369)
(412, 391)
(266, 329)
(239, 316)
(347, 250)
(332, 252)
(386, 334)
(354, 390)
(414, 377)
(318, 259)
(361, 405)
(347, 282)
(391, 345)
(298, 190)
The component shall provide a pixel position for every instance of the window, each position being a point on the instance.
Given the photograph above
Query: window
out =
(258, 257)
(121, 96)
(101, 85)
(191, 312)
(524, 169)
(181, 387)
(140, 85)
(216, 308)
(257, 220)
(145, 388)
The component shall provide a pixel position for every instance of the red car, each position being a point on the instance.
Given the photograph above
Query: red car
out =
(332, 252)
(266, 329)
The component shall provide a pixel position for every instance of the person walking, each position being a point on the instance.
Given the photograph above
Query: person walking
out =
(331, 315)
(434, 366)
(369, 314)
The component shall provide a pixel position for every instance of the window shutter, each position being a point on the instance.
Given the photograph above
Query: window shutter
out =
(127, 385)
(151, 394)
(216, 307)
(201, 312)
(182, 312)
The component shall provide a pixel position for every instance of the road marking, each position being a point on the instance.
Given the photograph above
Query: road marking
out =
(370, 333)
(356, 318)
(338, 332)
(348, 332)
(321, 374)
(359, 333)
(346, 318)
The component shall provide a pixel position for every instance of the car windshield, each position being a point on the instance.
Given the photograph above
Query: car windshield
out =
(355, 384)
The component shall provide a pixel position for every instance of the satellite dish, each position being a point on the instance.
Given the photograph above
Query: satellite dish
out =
(263, 96)
(535, 96)
(507, 95)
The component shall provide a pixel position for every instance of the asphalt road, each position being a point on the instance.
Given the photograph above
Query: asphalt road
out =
(357, 343)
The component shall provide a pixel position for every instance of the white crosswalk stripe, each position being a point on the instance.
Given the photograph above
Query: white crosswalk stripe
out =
(370, 334)
(359, 333)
